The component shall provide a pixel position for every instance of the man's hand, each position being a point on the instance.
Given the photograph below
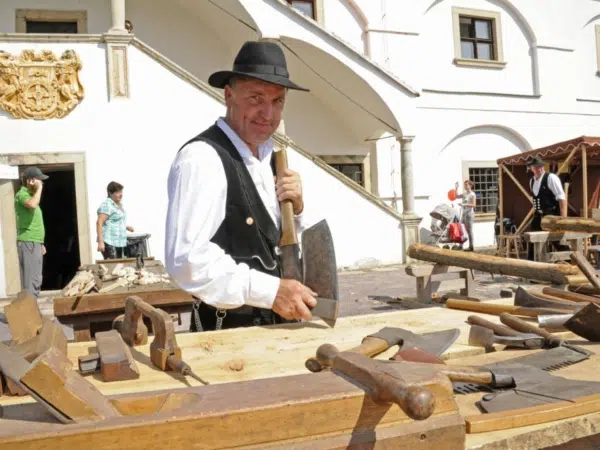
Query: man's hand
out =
(293, 300)
(289, 187)
(101, 247)
(43, 249)
(130, 228)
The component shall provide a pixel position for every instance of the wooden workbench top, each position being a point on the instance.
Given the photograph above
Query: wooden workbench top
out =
(274, 351)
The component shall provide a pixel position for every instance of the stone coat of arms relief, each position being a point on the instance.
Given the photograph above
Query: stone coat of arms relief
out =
(39, 85)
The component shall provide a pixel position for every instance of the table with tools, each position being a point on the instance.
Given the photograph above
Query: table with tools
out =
(95, 311)
(275, 359)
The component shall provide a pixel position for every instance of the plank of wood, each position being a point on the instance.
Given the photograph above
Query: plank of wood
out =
(24, 317)
(587, 269)
(555, 273)
(580, 224)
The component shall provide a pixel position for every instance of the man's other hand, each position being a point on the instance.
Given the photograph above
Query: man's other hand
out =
(293, 300)
(289, 187)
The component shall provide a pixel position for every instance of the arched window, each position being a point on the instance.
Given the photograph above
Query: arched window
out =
(306, 7)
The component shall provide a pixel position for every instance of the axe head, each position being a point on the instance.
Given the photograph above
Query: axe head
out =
(436, 342)
(320, 270)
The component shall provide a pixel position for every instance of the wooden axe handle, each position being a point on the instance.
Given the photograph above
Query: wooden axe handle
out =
(489, 308)
(370, 346)
(572, 296)
(288, 226)
(499, 329)
(525, 327)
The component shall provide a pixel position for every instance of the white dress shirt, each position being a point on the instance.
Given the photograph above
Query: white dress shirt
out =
(554, 185)
(197, 191)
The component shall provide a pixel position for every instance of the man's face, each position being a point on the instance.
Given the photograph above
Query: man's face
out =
(537, 171)
(254, 109)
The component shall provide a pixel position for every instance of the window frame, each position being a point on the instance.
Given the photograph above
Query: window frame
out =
(317, 9)
(47, 15)
(466, 165)
(597, 30)
(362, 160)
(496, 25)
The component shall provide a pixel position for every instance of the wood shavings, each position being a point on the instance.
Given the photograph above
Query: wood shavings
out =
(236, 365)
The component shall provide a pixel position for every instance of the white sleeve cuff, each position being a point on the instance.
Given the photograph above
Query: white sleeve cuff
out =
(263, 289)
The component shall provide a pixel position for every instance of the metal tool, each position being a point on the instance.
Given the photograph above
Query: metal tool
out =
(318, 268)
(535, 298)
(586, 323)
(551, 339)
(553, 320)
(546, 360)
(483, 337)
(164, 351)
(374, 344)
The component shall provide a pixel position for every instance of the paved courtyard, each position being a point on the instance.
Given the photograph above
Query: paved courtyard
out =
(361, 292)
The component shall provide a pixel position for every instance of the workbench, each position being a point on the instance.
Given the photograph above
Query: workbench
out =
(541, 239)
(281, 350)
(95, 311)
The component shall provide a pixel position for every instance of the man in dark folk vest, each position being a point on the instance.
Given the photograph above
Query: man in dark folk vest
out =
(223, 220)
(548, 195)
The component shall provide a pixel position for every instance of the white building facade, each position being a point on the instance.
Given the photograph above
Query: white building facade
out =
(407, 97)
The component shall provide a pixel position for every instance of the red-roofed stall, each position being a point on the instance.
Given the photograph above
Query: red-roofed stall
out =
(576, 162)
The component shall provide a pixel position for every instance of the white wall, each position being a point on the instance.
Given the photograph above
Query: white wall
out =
(98, 12)
(343, 20)
(585, 59)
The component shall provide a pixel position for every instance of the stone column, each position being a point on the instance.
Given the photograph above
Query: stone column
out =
(118, 16)
(410, 221)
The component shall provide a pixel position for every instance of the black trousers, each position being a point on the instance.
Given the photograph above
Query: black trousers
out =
(112, 252)
(245, 316)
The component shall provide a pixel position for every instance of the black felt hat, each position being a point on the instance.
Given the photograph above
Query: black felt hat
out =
(260, 60)
(536, 162)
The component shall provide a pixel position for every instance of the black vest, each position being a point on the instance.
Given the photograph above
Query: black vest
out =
(247, 233)
(545, 202)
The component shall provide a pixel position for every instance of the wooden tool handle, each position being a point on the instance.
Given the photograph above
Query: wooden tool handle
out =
(417, 402)
(497, 328)
(489, 308)
(525, 327)
(370, 346)
(572, 296)
(288, 226)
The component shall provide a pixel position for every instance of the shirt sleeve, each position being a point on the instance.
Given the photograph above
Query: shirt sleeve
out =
(555, 186)
(104, 208)
(197, 194)
(21, 197)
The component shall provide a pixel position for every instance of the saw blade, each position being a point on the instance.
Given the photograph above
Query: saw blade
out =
(548, 360)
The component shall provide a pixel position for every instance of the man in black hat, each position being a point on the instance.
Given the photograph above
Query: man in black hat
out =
(548, 195)
(223, 220)
(30, 229)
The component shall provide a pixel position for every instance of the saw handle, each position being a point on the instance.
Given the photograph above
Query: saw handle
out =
(288, 226)
(370, 346)
(524, 327)
(497, 328)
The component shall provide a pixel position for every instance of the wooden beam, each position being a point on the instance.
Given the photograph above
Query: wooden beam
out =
(519, 185)
(501, 210)
(526, 221)
(568, 160)
(555, 223)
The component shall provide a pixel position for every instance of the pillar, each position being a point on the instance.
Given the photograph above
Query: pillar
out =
(118, 16)
(410, 221)
(117, 41)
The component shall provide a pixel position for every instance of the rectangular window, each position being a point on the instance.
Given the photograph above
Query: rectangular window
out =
(486, 188)
(50, 21)
(477, 38)
(36, 26)
(352, 171)
(306, 7)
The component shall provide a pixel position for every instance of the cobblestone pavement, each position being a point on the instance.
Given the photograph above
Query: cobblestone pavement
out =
(361, 292)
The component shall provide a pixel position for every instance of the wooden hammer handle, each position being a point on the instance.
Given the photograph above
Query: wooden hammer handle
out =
(497, 328)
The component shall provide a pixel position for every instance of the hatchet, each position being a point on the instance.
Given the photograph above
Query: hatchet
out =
(318, 270)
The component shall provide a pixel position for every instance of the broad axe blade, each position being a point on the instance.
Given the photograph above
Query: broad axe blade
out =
(586, 323)
(320, 270)
(436, 342)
